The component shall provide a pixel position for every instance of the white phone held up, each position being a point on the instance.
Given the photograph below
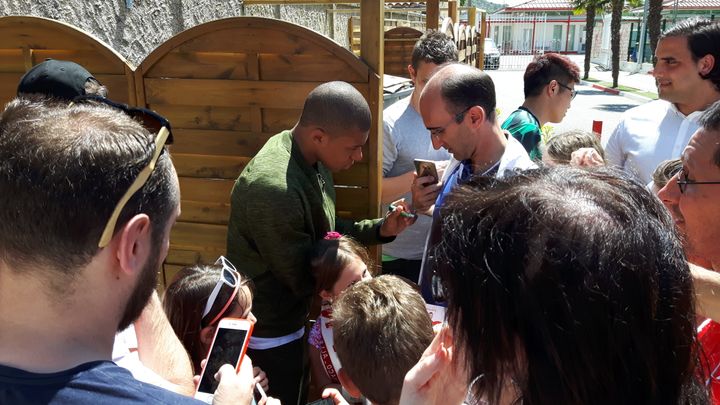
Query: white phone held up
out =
(228, 347)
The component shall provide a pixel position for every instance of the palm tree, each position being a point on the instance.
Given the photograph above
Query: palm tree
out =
(615, 22)
(590, 8)
(654, 19)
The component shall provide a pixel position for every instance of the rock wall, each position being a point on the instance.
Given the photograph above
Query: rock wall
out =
(135, 29)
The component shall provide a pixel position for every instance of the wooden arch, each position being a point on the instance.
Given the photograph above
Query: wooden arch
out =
(227, 86)
(27, 41)
(399, 45)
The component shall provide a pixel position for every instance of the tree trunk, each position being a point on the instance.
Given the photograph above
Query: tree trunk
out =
(615, 22)
(654, 19)
(589, 28)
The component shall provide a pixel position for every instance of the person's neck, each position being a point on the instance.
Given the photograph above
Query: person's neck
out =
(415, 100)
(303, 142)
(42, 334)
(539, 108)
(489, 149)
(703, 100)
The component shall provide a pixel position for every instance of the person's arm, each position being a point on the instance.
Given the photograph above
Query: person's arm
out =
(614, 155)
(707, 292)
(381, 230)
(395, 187)
(160, 350)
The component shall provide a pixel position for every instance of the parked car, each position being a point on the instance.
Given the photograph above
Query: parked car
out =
(492, 55)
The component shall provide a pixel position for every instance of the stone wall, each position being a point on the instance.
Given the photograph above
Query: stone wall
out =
(136, 30)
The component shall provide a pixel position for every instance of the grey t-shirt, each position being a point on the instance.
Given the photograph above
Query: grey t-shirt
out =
(405, 138)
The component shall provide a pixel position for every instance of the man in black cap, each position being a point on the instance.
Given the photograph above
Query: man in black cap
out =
(149, 347)
(60, 79)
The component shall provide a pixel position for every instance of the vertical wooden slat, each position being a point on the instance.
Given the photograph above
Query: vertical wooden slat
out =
(433, 14)
(481, 40)
(453, 10)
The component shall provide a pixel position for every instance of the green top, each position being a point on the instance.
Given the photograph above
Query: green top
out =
(280, 206)
(525, 127)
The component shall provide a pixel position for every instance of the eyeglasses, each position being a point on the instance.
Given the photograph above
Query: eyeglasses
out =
(457, 118)
(682, 181)
(573, 92)
(230, 277)
(155, 123)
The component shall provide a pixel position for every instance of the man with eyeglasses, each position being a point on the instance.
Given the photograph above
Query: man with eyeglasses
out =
(458, 108)
(148, 347)
(549, 88)
(692, 196)
(687, 74)
(87, 199)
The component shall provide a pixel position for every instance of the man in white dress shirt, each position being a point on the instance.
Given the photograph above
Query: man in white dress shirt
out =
(687, 74)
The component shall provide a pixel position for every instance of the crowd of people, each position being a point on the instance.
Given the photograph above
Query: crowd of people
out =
(566, 271)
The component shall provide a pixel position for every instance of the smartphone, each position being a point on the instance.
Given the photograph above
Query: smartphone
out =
(228, 347)
(259, 393)
(426, 168)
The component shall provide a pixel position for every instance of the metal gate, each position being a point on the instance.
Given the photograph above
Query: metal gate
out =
(519, 38)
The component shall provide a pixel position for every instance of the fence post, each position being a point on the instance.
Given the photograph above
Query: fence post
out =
(432, 12)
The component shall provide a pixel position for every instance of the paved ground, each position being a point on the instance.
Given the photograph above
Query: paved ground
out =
(590, 103)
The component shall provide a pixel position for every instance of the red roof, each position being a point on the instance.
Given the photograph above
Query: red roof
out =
(692, 4)
(544, 5)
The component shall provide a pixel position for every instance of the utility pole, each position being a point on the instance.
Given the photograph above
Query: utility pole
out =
(643, 29)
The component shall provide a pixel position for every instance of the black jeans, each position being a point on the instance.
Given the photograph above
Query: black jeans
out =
(286, 367)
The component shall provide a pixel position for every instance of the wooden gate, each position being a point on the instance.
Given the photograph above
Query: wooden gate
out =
(226, 87)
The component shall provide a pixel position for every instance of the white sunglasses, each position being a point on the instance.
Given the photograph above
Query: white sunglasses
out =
(228, 276)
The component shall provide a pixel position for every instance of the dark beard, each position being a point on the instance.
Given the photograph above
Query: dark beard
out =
(143, 290)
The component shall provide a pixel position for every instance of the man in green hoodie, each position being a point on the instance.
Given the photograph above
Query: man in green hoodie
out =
(282, 203)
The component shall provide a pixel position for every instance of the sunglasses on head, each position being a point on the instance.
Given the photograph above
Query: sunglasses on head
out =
(230, 277)
(153, 122)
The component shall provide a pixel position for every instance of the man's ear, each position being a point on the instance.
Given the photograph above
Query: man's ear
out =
(477, 115)
(706, 64)
(318, 135)
(348, 384)
(134, 244)
(412, 73)
(552, 88)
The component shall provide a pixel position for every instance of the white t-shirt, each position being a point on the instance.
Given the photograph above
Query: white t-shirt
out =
(125, 355)
(649, 134)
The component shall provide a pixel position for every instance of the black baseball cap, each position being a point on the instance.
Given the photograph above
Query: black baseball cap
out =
(55, 78)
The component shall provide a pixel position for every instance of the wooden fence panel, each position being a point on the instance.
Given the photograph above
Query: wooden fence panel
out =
(27, 41)
(399, 45)
(227, 86)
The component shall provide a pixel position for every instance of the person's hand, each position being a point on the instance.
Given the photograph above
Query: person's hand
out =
(437, 378)
(235, 388)
(395, 222)
(586, 157)
(335, 395)
(261, 378)
(424, 193)
(270, 401)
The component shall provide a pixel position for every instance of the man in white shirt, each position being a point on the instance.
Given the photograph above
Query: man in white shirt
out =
(687, 73)
(458, 108)
(404, 140)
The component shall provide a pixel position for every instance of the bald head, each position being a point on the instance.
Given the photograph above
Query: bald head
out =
(334, 106)
(462, 86)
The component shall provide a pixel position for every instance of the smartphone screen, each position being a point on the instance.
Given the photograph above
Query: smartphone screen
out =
(227, 348)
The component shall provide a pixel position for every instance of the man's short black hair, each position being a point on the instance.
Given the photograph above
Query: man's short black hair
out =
(434, 47)
(547, 67)
(335, 106)
(469, 87)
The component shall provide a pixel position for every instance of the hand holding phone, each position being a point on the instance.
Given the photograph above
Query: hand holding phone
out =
(228, 347)
(425, 168)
